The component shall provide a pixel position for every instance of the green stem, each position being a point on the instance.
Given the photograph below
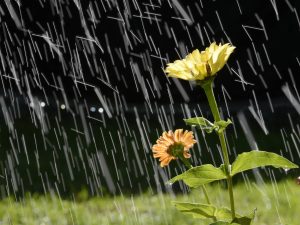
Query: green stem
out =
(207, 86)
(205, 194)
(189, 166)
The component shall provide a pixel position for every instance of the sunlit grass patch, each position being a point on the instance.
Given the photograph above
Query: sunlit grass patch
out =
(276, 204)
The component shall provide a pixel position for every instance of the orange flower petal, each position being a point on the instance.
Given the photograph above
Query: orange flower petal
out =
(162, 148)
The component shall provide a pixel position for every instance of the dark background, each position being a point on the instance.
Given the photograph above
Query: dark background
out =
(61, 52)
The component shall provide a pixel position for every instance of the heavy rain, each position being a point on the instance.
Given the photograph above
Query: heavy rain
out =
(84, 96)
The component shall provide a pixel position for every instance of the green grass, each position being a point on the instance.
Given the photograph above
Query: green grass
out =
(276, 204)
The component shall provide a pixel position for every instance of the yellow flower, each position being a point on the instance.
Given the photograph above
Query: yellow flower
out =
(171, 145)
(201, 65)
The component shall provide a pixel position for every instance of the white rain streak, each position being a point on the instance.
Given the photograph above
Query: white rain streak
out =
(247, 131)
(84, 125)
(181, 90)
(103, 103)
(106, 172)
(7, 116)
(287, 91)
(13, 13)
(251, 141)
(182, 11)
(257, 114)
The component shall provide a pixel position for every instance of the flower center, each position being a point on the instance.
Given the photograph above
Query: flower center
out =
(176, 149)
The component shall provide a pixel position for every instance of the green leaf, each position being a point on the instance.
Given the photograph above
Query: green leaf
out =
(208, 126)
(220, 223)
(196, 121)
(244, 220)
(203, 211)
(223, 214)
(221, 125)
(200, 175)
(239, 220)
(197, 210)
(256, 158)
(201, 122)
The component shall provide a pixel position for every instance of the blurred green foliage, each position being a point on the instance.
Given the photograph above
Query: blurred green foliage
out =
(275, 203)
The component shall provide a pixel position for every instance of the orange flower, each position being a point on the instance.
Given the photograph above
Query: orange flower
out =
(171, 145)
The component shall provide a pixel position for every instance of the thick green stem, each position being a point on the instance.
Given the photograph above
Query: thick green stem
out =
(215, 111)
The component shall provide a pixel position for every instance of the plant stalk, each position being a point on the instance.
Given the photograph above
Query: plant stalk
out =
(208, 89)
(189, 166)
(205, 194)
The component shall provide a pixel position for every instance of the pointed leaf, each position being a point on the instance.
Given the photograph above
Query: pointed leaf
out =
(245, 220)
(200, 175)
(208, 126)
(239, 220)
(196, 121)
(204, 211)
(201, 211)
(242, 220)
(223, 214)
(256, 158)
(222, 124)
(202, 123)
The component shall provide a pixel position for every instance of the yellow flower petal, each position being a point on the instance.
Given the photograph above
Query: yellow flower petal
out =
(201, 65)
